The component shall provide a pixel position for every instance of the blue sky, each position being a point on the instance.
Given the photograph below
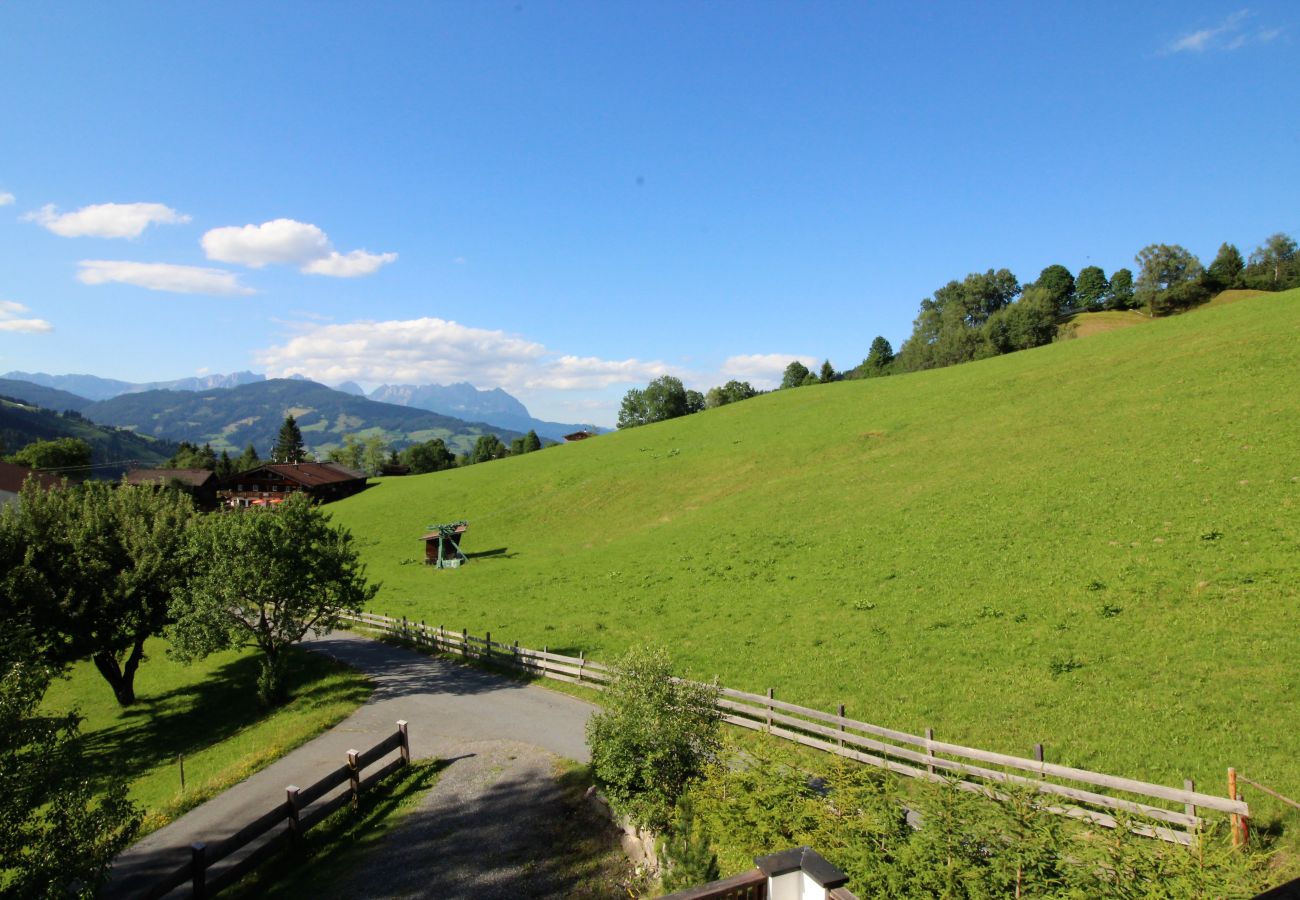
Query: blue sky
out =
(566, 200)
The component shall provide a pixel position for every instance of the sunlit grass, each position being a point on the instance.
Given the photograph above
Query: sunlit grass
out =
(206, 713)
(1093, 545)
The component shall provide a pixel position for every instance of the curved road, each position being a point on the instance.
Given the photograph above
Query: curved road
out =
(500, 736)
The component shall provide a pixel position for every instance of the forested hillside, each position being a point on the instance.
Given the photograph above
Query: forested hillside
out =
(231, 419)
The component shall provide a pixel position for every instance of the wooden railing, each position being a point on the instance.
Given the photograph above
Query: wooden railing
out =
(302, 809)
(1168, 813)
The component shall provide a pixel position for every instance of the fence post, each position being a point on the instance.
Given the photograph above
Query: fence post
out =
(487, 644)
(405, 746)
(516, 656)
(771, 692)
(199, 870)
(464, 643)
(1038, 752)
(582, 662)
(929, 736)
(180, 760)
(354, 778)
(295, 825)
(841, 726)
(1234, 819)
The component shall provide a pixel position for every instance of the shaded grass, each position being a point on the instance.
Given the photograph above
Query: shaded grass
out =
(208, 714)
(1093, 545)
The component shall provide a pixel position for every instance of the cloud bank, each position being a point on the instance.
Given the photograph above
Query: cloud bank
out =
(290, 243)
(6, 199)
(106, 220)
(762, 370)
(10, 321)
(162, 277)
(419, 351)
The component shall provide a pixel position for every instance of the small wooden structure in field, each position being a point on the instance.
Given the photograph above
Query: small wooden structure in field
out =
(442, 545)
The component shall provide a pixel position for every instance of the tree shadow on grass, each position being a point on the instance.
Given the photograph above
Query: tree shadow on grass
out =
(185, 720)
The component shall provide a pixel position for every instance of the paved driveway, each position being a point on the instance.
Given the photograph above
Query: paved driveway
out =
(488, 725)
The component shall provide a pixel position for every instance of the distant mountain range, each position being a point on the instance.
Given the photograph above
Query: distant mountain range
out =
(461, 401)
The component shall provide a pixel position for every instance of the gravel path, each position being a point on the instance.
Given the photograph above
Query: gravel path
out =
(481, 831)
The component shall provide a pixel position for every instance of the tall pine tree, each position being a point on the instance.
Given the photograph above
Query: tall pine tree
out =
(288, 446)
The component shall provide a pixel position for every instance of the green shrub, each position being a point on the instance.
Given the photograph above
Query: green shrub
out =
(655, 734)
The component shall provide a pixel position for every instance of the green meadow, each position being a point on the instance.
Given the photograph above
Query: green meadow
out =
(207, 714)
(1094, 545)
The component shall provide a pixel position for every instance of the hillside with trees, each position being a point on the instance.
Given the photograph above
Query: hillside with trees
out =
(43, 438)
(233, 418)
(1091, 546)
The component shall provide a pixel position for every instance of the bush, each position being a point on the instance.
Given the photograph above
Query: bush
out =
(654, 736)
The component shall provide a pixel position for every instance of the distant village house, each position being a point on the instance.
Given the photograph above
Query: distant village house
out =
(201, 484)
(579, 436)
(273, 483)
(12, 478)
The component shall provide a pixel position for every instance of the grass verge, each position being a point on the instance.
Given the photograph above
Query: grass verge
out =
(208, 715)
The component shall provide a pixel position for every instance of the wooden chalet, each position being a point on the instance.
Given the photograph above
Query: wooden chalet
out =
(201, 484)
(579, 436)
(272, 483)
(12, 478)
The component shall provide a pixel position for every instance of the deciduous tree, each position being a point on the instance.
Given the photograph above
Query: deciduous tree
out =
(100, 566)
(265, 577)
(796, 375)
(1165, 270)
(1059, 285)
(1274, 265)
(430, 456)
(1121, 290)
(60, 453)
(1090, 288)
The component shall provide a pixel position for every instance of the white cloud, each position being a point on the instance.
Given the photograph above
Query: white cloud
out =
(6, 199)
(162, 277)
(431, 350)
(348, 265)
(1232, 33)
(10, 321)
(106, 220)
(282, 241)
(290, 243)
(762, 370)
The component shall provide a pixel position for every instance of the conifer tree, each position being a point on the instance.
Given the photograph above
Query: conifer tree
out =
(289, 447)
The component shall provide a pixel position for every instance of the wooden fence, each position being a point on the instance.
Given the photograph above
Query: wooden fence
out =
(302, 809)
(1168, 813)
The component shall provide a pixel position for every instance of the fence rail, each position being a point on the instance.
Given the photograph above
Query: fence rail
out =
(302, 808)
(1168, 813)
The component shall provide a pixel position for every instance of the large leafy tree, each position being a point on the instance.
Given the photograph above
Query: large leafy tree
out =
(265, 577)
(949, 327)
(60, 453)
(731, 392)
(796, 375)
(1090, 288)
(880, 356)
(664, 398)
(192, 456)
(289, 447)
(487, 448)
(1059, 285)
(1120, 295)
(1274, 266)
(1029, 322)
(98, 569)
(430, 456)
(1167, 276)
(61, 830)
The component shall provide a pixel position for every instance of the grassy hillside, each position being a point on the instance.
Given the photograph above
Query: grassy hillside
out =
(1094, 545)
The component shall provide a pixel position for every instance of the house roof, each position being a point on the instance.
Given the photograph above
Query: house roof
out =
(12, 478)
(191, 477)
(305, 474)
(460, 528)
(579, 436)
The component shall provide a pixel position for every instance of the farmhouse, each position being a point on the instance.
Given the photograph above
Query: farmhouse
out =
(273, 482)
(12, 478)
(579, 436)
(200, 484)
